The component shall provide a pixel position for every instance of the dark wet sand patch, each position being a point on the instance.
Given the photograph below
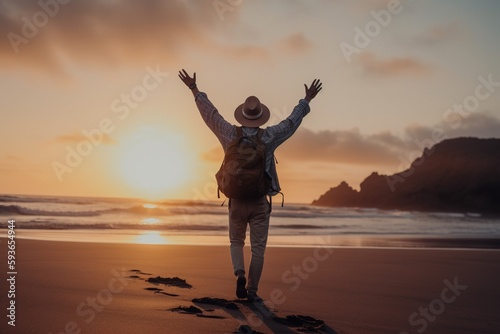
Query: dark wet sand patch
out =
(217, 302)
(186, 310)
(245, 329)
(303, 323)
(172, 281)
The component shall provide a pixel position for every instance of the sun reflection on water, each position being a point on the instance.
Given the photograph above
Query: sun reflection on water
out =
(151, 238)
(150, 221)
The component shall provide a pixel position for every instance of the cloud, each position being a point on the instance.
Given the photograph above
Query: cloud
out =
(121, 32)
(380, 149)
(213, 155)
(76, 137)
(363, 7)
(104, 31)
(479, 124)
(295, 43)
(440, 33)
(254, 52)
(372, 65)
(343, 146)
(290, 45)
(13, 158)
(17, 165)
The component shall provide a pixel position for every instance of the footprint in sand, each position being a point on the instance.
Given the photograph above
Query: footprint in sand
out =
(194, 310)
(300, 323)
(304, 323)
(170, 281)
(158, 290)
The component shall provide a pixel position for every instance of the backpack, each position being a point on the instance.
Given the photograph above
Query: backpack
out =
(242, 173)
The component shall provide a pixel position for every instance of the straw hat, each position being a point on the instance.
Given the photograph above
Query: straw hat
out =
(252, 113)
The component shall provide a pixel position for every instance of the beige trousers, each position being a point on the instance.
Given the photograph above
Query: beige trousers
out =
(255, 213)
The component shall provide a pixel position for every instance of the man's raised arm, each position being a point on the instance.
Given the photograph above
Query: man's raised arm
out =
(287, 127)
(311, 91)
(219, 126)
(190, 82)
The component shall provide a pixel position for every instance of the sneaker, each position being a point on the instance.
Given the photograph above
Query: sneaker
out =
(253, 297)
(241, 290)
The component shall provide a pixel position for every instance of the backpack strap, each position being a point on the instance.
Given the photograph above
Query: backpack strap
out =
(282, 198)
(260, 133)
(239, 134)
(271, 201)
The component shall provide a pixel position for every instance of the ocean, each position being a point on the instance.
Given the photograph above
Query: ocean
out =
(187, 222)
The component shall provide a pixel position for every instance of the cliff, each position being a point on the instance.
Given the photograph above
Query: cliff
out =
(456, 175)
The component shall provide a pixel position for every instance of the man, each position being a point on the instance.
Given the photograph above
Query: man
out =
(255, 212)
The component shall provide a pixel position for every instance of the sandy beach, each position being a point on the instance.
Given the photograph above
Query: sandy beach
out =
(63, 287)
(353, 144)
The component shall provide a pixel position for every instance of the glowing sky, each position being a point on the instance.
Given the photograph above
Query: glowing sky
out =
(111, 64)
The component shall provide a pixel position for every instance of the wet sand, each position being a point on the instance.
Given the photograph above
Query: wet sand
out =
(69, 287)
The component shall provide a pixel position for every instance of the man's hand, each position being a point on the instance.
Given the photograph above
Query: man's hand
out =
(188, 81)
(313, 90)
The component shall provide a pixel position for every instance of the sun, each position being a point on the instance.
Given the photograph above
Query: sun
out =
(155, 161)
